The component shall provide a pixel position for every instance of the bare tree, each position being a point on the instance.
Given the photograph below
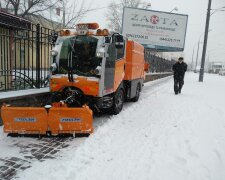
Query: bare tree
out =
(77, 10)
(115, 11)
(73, 12)
(28, 7)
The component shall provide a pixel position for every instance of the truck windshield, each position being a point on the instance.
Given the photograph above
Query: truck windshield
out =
(79, 55)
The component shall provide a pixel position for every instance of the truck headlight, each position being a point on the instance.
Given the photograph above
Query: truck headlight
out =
(53, 67)
(54, 53)
(100, 52)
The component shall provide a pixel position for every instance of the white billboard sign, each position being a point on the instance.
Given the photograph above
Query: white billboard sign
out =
(155, 29)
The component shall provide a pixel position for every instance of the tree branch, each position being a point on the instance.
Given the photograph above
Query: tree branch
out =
(115, 11)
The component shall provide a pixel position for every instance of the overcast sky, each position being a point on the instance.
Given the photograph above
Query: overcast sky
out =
(196, 11)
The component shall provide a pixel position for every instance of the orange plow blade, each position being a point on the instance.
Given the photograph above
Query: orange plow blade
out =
(56, 120)
(63, 120)
(24, 120)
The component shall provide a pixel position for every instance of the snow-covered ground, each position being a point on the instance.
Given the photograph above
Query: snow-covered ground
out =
(161, 137)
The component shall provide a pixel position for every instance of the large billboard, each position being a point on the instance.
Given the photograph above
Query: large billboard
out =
(158, 30)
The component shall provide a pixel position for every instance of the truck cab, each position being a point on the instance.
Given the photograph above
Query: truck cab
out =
(94, 66)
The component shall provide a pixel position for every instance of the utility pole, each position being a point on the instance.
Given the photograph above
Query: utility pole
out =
(64, 13)
(196, 62)
(201, 74)
(192, 59)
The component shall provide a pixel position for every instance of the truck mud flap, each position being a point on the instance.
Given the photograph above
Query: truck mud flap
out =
(70, 120)
(24, 120)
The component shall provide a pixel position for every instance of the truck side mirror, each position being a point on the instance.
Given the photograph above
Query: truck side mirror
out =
(119, 45)
(107, 39)
(119, 42)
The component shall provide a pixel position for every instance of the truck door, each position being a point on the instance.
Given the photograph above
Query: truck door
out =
(110, 69)
(114, 62)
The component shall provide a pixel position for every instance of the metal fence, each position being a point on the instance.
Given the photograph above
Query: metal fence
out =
(158, 64)
(24, 57)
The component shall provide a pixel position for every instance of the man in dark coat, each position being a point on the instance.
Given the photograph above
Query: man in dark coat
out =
(179, 69)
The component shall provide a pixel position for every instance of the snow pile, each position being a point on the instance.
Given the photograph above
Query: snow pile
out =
(162, 137)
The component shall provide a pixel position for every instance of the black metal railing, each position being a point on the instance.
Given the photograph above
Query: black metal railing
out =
(24, 57)
(158, 64)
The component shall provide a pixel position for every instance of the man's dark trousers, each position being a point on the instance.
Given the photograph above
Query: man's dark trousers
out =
(178, 83)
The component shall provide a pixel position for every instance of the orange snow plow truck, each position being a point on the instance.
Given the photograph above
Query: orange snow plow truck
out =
(92, 71)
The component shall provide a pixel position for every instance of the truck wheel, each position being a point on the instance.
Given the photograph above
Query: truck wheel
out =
(118, 102)
(138, 90)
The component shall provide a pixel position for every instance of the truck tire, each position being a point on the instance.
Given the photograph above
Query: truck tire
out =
(138, 90)
(118, 102)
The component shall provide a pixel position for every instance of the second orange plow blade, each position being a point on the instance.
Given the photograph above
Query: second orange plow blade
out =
(63, 120)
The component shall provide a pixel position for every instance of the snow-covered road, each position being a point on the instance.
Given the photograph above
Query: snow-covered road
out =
(161, 137)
